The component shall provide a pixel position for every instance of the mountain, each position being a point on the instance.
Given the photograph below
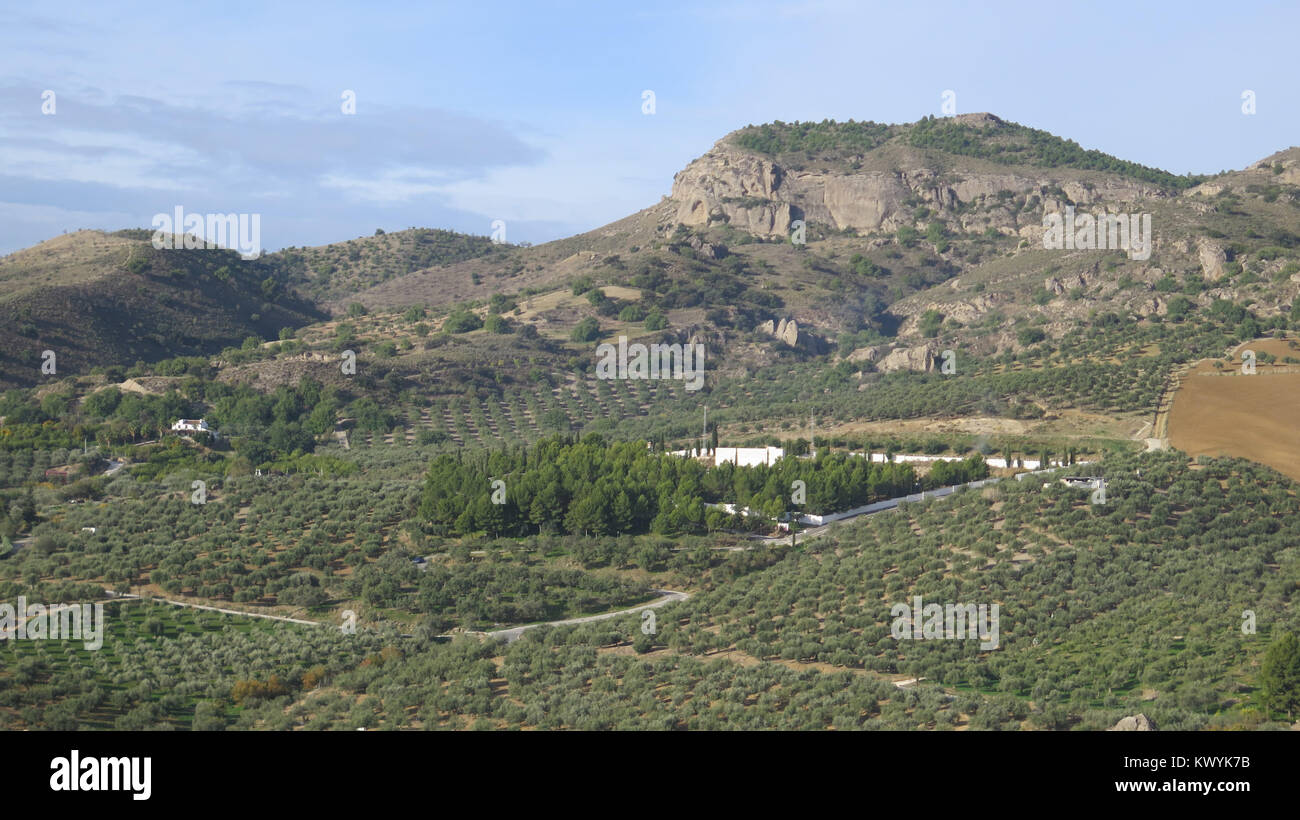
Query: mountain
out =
(920, 241)
(923, 243)
(432, 448)
(941, 216)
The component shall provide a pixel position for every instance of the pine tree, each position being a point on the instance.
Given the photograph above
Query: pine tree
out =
(1279, 675)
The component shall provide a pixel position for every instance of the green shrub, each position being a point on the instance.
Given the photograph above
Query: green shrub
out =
(462, 321)
(588, 330)
(631, 313)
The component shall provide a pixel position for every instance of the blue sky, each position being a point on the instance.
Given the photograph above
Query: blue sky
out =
(532, 112)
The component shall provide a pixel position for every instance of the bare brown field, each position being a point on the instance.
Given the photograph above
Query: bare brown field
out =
(1250, 416)
(1277, 347)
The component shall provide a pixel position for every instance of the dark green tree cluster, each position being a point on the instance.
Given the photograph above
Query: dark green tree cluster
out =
(562, 485)
(1014, 144)
(728, 282)
(1279, 675)
(833, 482)
(781, 138)
(595, 488)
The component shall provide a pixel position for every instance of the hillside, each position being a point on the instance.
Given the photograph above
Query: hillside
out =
(942, 216)
(1103, 610)
(99, 300)
(920, 239)
(366, 428)
(331, 273)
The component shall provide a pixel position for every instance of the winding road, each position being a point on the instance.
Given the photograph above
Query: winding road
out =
(666, 596)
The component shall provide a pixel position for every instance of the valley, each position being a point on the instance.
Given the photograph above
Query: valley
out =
(415, 435)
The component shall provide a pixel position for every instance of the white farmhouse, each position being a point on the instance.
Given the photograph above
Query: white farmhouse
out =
(193, 426)
(747, 456)
(739, 456)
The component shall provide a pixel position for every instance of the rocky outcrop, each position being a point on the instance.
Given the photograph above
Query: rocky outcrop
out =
(865, 354)
(149, 385)
(1289, 163)
(787, 330)
(706, 249)
(1134, 723)
(1062, 285)
(732, 186)
(1151, 305)
(1213, 258)
(921, 358)
(865, 201)
(755, 194)
(969, 311)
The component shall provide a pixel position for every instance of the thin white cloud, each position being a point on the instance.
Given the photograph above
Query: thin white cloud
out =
(390, 187)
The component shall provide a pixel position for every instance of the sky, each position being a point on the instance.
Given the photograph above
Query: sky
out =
(535, 114)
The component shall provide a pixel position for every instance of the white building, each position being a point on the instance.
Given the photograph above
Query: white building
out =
(1083, 482)
(747, 456)
(193, 426)
(907, 458)
(739, 456)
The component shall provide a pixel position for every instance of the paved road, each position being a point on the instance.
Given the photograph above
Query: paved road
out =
(892, 504)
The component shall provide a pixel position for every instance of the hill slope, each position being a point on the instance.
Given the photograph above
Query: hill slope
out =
(111, 299)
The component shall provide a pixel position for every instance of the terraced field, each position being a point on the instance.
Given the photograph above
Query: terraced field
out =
(1221, 411)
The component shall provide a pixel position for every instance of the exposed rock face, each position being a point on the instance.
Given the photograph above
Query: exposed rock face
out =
(1062, 285)
(155, 385)
(859, 201)
(1151, 306)
(787, 330)
(865, 354)
(1134, 723)
(707, 250)
(753, 193)
(966, 311)
(888, 360)
(734, 184)
(1213, 257)
(921, 358)
(1288, 160)
(971, 310)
